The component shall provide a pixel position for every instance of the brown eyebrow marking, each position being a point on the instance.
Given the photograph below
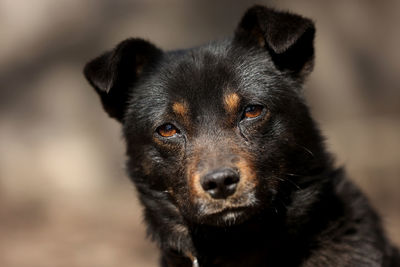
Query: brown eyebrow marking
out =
(180, 109)
(231, 102)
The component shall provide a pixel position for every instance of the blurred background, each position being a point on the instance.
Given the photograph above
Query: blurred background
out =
(64, 197)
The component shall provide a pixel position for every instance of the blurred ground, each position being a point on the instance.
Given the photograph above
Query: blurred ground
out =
(64, 198)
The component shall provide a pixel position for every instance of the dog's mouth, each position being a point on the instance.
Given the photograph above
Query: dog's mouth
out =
(225, 214)
(230, 216)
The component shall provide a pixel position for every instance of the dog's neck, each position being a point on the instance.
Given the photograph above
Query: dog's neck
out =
(244, 245)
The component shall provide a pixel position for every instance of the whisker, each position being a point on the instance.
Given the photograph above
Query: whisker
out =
(282, 203)
(307, 150)
(290, 181)
(293, 174)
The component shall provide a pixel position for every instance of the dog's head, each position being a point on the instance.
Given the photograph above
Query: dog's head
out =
(222, 130)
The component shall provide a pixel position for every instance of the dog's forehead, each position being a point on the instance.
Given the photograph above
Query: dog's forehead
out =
(209, 77)
(196, 79)
(201, 73)
(206, 81)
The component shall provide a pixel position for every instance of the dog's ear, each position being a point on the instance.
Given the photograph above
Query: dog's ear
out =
(114, 73)
(287, 37)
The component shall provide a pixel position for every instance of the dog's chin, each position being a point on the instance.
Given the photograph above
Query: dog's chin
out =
(223, 213)
(226, 217)
(229, 217)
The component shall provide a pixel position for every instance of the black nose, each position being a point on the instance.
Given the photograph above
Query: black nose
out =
(220, 183)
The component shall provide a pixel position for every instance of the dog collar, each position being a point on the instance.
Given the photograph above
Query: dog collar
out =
(195, 262)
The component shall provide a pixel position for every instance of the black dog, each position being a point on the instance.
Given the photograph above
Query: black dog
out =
(229, 165)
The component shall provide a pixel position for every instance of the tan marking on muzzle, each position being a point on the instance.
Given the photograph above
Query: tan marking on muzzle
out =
(196, 188)
(247, 172)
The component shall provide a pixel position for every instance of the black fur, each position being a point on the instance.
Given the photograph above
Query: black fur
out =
(292, 207)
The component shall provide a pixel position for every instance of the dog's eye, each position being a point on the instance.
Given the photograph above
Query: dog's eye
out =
(252, 111)
(167, 130)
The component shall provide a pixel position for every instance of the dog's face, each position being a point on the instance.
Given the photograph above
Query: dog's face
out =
(221, 131)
